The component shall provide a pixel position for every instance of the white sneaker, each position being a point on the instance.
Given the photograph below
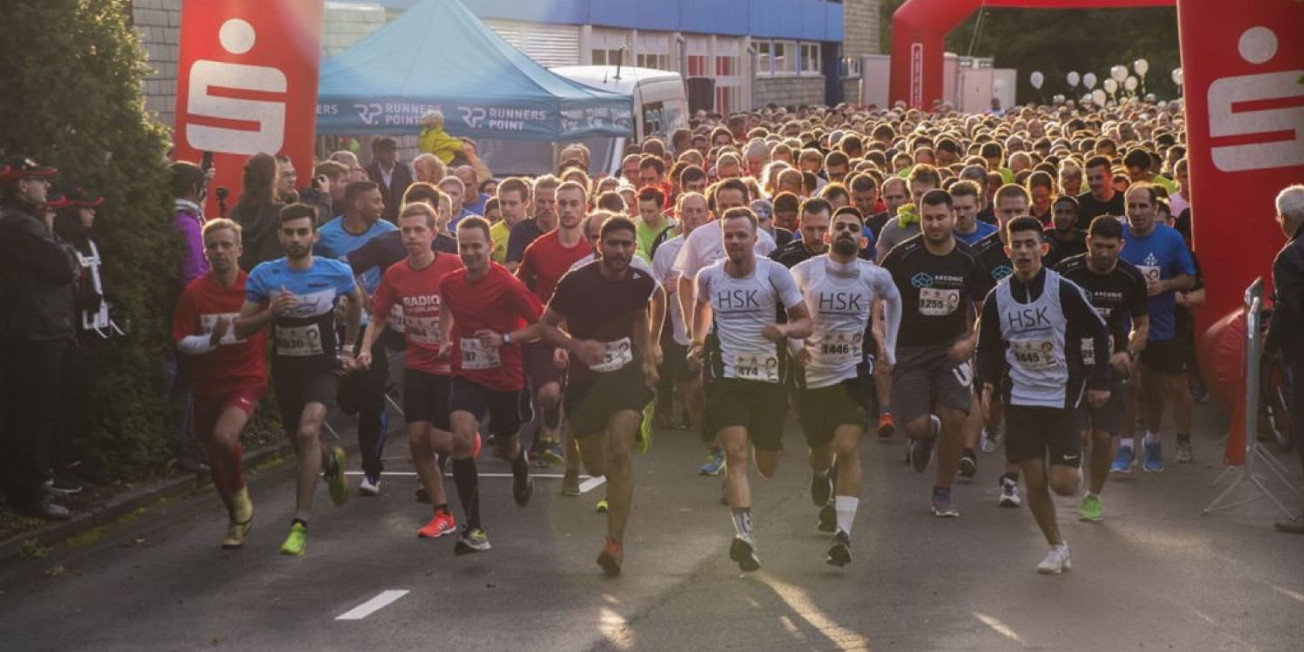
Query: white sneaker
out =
(991, 440)
(1056, 561)
(369, 487)
(1184, 452)
(1010, 493)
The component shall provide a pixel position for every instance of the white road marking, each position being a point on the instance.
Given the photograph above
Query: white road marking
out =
(802, 606)
(999, 627)
(373, 605)
(549, 476)
(591, 483)
(1288, 593)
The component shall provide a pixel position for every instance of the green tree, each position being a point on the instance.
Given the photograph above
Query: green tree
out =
(72, 80)
(1056, 41)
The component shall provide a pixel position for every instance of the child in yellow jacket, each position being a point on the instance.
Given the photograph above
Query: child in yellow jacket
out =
(435, 140)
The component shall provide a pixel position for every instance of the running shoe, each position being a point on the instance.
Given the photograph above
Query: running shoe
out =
(828, 518)
(992, 438)
(1056, 561)
(522, 485)
(611, 558)
(1184, 453)
(714, 462)
(1091, 509)
(886, 426)
(297, 542)
(1124, 460)
(1010, 493)
(744, 553)
(369, 486)
(443, 523)
(601, 507)
(968, 464)
(840, 551)
(552, 453)
(570, 484)
(821, 488)
(920, 452)
(335, 480)
(1153, 461)
(242, 517)
(942, 506)
(473, 540)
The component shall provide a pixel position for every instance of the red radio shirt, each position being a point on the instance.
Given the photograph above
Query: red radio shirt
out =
(546, 261)
(497, 302)
(417, 291)
(235, 364)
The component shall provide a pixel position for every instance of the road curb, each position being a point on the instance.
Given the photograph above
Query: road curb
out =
(120, 505)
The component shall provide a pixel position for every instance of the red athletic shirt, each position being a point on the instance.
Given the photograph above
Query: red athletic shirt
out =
(497, 302)
(235, 364)
(546, 261)
(417, 291)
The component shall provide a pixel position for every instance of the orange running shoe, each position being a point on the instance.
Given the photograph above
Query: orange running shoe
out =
(611, 558)
(443, 523)
(886, 425)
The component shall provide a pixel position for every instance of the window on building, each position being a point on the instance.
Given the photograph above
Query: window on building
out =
(849, 67)
(725, 99)
(764, 57)
(697, 65)
(810, 58)
(726, 66)
(785, 57)
(655, 61)
(607, 57)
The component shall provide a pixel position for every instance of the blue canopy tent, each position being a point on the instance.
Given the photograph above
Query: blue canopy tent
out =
(438, 55)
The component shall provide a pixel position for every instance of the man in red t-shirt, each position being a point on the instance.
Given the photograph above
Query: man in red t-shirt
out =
(545, 261)
(229, 374)
(486, 313)
(413, 284)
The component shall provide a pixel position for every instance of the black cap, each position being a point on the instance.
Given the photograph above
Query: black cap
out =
(23, 167)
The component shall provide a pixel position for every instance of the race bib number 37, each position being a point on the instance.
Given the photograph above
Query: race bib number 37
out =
(478, 356)
(757, 366)
(938, 303)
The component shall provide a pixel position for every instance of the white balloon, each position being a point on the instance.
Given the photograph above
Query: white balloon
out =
(1130, 83)
(1037, 79)
(1119, 73)
(1073, 79)
(1098, 96)
(1141, 66)
(1089, 80)
(1111, 86)
(1177, 76)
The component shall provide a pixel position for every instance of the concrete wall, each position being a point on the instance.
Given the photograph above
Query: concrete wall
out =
(345, 25)
(859, 38)
(787, 91)
(159, 25)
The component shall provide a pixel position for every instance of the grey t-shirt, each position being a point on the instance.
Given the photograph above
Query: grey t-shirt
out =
(894, 234)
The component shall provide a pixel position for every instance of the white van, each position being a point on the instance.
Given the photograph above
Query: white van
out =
(660, 107)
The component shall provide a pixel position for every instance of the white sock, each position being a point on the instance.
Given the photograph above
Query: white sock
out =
(1125, 442)
(846, 507)
(1152, 438)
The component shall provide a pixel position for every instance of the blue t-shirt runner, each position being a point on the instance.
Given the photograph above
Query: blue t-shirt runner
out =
(303, 337)
(336, 243)
(984, 229)
(1160, 255)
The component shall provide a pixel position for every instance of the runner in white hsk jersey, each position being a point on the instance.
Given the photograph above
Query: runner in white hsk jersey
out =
(835, 386)
(746, 363)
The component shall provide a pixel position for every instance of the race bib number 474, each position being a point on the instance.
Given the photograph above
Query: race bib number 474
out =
(757, 366)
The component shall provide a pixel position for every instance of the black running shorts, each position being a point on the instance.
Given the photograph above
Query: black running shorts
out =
(425, 398)
(1033, 432)
(506, 410)
(759, 407)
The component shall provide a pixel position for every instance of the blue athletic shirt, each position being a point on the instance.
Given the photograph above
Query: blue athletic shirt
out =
(1161, 255)
(337, 243)
(304, 338)
(984, 230)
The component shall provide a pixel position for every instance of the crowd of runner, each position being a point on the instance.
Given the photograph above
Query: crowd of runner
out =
(971, 282)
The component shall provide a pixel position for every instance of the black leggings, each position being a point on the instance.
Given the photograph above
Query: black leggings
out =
(30, 375)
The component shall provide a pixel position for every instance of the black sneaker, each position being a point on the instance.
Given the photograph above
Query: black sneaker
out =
(522, 486)
(920, 452)
(828, 518)
(821, 489)
(840, 551)
(742, 552)
(968, 465)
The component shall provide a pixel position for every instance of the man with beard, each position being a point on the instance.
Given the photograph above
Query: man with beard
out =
(1069, 239)
(834, 387)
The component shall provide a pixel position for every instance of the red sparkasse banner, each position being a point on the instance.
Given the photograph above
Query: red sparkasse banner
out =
(1242, 67)
(247, 83)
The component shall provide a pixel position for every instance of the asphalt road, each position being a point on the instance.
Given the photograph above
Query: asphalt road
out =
(1154, 575)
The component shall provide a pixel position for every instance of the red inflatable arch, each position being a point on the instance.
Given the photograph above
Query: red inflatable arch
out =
(919, 29)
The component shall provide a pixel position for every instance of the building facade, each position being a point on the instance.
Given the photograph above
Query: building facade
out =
(754, 52)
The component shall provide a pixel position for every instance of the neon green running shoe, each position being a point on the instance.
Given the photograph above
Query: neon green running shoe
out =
(297, 541)
(339, 485)
(1091, 509)
(602, 505)
(643, 440)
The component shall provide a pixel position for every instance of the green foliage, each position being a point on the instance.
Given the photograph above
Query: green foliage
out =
(1056, 41)
(72, 82)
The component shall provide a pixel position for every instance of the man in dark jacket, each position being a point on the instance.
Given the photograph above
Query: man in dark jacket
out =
(392, 176)
(1288, 317)
(35, 329)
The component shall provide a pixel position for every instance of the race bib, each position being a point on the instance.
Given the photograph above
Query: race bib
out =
(209, 322)
(298, 341)
(422, 330)
(1034, 355)
(1150, 272)
(938, 303)
(478, 356)
(1088, 351)
(840, 347)
(615, 356)
(757, 366)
